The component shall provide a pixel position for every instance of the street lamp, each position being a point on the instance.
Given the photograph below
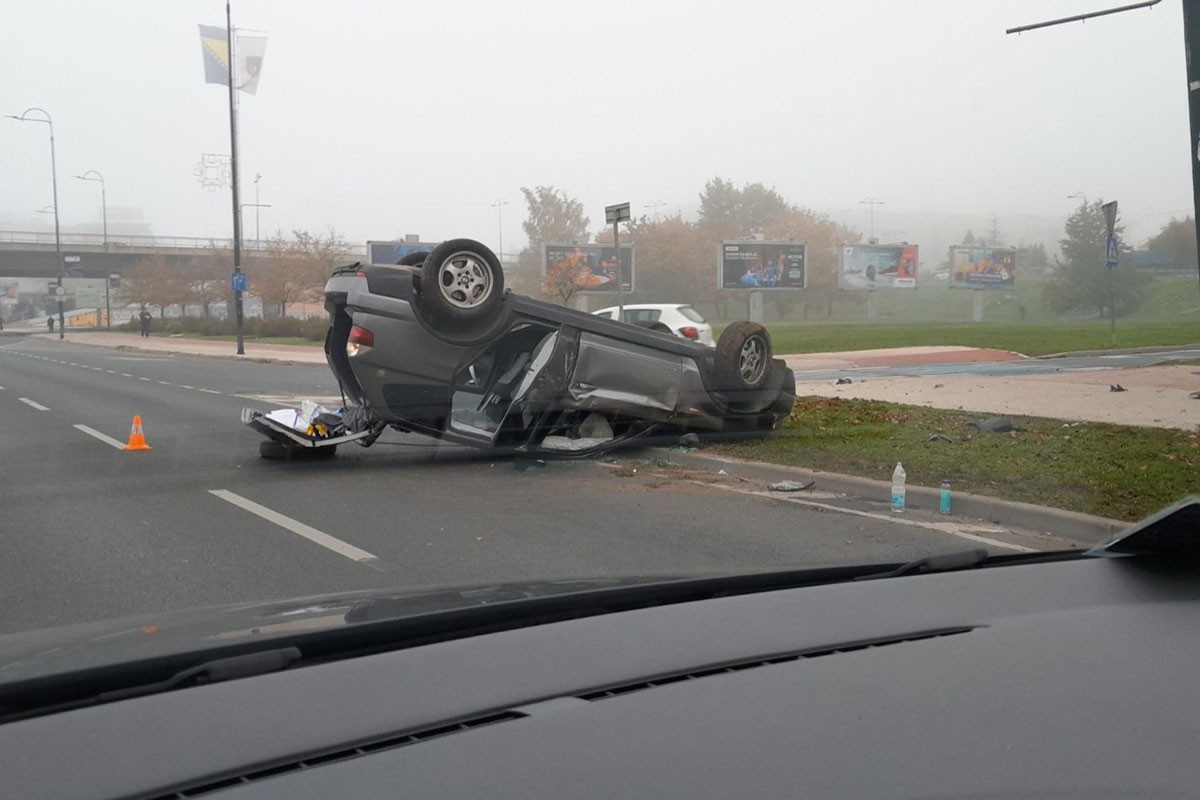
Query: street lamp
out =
(256, 207)
(872, 202)
(257, 240)
(499, 206)
(1080, 196)
(54, 184)
(93, 175)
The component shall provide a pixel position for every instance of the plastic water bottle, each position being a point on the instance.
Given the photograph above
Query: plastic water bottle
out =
(898, 490)
(944, 507)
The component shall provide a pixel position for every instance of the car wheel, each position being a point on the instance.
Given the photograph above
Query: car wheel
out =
(870, 272)
(743, 356)
(462, 282)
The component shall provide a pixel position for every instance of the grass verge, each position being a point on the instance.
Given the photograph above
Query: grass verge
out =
(1114, 471)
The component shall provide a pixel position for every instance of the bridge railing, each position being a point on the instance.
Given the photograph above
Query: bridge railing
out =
(119, 242)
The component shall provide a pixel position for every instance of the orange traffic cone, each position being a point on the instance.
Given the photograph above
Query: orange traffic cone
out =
(137, 439)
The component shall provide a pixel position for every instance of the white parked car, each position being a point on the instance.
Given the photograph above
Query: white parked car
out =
(677, 318)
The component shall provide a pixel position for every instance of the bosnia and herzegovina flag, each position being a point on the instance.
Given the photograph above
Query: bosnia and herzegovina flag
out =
(250, 52)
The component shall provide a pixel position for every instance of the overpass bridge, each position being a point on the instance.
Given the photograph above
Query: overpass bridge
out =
(30, 254)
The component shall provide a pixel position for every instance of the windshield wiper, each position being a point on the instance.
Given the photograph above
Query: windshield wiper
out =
(215, 671)
(947, 562)
(57, 695)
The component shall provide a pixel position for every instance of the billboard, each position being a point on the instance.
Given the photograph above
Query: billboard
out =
(975, 267)
(761, 265)
(591, 266)
(878, 266)
(392, 252)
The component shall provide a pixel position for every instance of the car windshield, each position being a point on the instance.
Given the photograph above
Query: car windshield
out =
(297, 299)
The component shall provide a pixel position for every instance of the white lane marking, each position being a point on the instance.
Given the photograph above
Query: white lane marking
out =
(164, 383)
(209, 391)
(299, 528)
(952, 528)
(1, 388)
(111, 371)
(143, 379)
(33, 404)
(72, 364)
(102, 437)
(185, 386)
(126, 375)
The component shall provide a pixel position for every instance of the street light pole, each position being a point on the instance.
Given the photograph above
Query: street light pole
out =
(103, 199)
(256, 207)
(872, 202)
(54, 183)
(499, 206)
(257, 240)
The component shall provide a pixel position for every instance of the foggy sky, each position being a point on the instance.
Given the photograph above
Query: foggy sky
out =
(381, 118)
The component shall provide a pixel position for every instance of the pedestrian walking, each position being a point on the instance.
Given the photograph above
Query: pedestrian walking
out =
(50, 323)
(144, 321)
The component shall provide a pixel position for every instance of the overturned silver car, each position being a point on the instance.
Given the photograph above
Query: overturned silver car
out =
(438, 346)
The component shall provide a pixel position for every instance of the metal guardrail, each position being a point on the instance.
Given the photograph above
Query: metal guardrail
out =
(119, 242)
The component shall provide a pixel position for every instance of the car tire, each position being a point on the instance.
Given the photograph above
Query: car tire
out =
(462, 284)
(743, 356)
(870, 272)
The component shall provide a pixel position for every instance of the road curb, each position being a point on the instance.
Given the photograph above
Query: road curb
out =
(1119, 351)
(1085, 528)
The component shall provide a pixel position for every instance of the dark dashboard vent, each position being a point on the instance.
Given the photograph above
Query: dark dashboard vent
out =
(342, 754)
(738, 666)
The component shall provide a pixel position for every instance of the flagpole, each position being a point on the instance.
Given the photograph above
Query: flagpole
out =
(233, 167)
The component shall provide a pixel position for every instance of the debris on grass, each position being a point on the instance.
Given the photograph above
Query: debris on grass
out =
(993, 425)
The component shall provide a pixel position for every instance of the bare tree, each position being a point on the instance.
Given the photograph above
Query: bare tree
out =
(208, 278)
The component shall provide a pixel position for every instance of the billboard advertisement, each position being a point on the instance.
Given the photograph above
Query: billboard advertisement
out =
(761, 265)
(975, 267)
(878, 266)
(392, 252)
(592, 266)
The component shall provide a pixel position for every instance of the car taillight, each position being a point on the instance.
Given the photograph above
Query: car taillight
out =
(690, 332)
(358, 339)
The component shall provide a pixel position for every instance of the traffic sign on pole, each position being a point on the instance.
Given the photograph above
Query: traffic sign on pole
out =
(1111, 252)
(1110, 216)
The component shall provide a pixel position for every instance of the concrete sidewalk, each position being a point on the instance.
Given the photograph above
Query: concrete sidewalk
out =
(272, 353)
(1155, 397)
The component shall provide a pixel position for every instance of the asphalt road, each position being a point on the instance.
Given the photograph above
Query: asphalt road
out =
(89, 531)
(1030, 366)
